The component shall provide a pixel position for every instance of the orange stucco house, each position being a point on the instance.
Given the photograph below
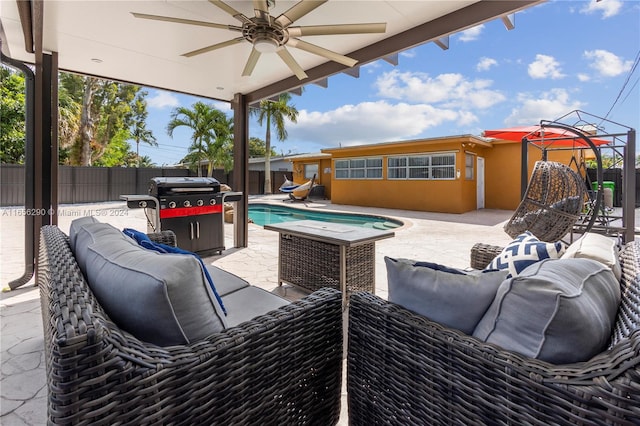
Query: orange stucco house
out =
(452, 174)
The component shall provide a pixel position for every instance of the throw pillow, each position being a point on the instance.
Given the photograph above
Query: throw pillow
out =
(144, 240)
(453, 298)
(76, 225)
(597, 247)
(159, 298)
(524, 251)
(557, 310)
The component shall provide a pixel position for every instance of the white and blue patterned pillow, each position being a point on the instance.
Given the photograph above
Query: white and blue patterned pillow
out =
(523, 251)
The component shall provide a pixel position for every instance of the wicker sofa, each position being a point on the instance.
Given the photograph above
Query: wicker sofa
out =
(404, 369)
(284, 367)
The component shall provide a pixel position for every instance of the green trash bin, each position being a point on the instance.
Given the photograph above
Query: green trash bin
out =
(608, 188)
(605, 184)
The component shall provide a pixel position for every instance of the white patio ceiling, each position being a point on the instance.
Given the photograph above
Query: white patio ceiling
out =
(104, 39)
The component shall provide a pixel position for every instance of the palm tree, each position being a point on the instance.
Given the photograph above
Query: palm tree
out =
(202, 119)
(220, 148)
(142, 134)
(274, 112)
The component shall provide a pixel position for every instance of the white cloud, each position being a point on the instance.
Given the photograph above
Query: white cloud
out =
(486, 63)
(161, 99)
(608, 8)
(472, 34)
(606, 63)
(450, 90)
(371, 122)
(545, 66)
(548, 106)
(411, 53)
(583, 77)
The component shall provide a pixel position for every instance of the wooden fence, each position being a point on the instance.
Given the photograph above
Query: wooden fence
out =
(97, 184)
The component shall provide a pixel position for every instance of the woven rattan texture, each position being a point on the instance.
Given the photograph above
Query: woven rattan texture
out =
(282, 368)
(312, 264)
(404, 369)
(552, 203)
(483, 254)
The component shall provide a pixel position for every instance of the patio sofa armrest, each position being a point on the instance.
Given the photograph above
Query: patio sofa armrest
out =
(403, 368)
(284, 367)
(483, 254)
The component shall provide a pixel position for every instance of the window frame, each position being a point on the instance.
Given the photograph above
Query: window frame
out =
(426, 168)
(359, 168)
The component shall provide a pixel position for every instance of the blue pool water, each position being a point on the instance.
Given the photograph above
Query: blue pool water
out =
(266, 214)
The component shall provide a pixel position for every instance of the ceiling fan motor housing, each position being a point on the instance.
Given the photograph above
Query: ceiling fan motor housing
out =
(265, 37)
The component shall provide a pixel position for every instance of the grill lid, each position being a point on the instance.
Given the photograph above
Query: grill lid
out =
(159, 186)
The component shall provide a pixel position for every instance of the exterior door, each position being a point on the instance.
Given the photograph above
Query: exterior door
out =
(480, 183)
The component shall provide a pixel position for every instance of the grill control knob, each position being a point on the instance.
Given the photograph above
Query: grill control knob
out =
(172, 204)
(187, 203)
(212, 201)
(199, 202)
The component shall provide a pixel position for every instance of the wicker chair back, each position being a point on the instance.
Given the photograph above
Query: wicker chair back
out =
(553, 201)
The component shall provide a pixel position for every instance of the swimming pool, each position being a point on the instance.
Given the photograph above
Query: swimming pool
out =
(266, 214)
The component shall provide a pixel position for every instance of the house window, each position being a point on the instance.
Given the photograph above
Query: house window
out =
(310, 170)
(469, 161)
(426, 166)
(359, 168)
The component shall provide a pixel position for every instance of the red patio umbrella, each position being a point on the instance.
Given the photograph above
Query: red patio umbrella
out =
(542, 135)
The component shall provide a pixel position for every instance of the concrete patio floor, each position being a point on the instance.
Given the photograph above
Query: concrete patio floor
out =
(436, 237)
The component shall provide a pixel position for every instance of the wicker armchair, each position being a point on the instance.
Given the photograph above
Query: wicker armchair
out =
(404, 369)
(282, 368)
(552, 204)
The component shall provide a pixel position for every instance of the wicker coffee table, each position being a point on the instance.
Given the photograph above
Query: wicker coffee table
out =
(317, 254)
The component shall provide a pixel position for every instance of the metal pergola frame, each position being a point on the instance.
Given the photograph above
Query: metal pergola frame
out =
(624, 139)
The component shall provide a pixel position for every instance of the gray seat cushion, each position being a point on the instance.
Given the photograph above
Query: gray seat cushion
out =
(75, 226)
(160, 298)
(91, 232)
(224, 281)
(557, 310)
(452, 297)
(250, 302)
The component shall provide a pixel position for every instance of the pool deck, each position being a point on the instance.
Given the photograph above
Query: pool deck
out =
(436, 237)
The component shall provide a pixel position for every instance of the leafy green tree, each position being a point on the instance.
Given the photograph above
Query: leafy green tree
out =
(117, 152)
(99, 111)
(205, 122)
(12, 113)
(274, 113)
(257, 147)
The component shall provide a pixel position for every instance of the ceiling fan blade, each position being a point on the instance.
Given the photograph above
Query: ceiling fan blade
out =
(214, 47)
(317, 50)
(312, 30)
(183, 21)
(298, 11)
(291, 63)
(251, 62)
(261, 9)
(231, 11)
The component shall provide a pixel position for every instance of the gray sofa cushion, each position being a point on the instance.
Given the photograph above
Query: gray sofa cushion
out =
(159, 298)
(451, 297)
(250, 302)
(90, 233)
(75, 226)
(224, 281)
(557, 310)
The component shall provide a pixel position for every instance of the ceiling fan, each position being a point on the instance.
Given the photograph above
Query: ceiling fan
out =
(270, 34)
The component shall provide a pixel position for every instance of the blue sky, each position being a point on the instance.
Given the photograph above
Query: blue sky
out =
(562, 56)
